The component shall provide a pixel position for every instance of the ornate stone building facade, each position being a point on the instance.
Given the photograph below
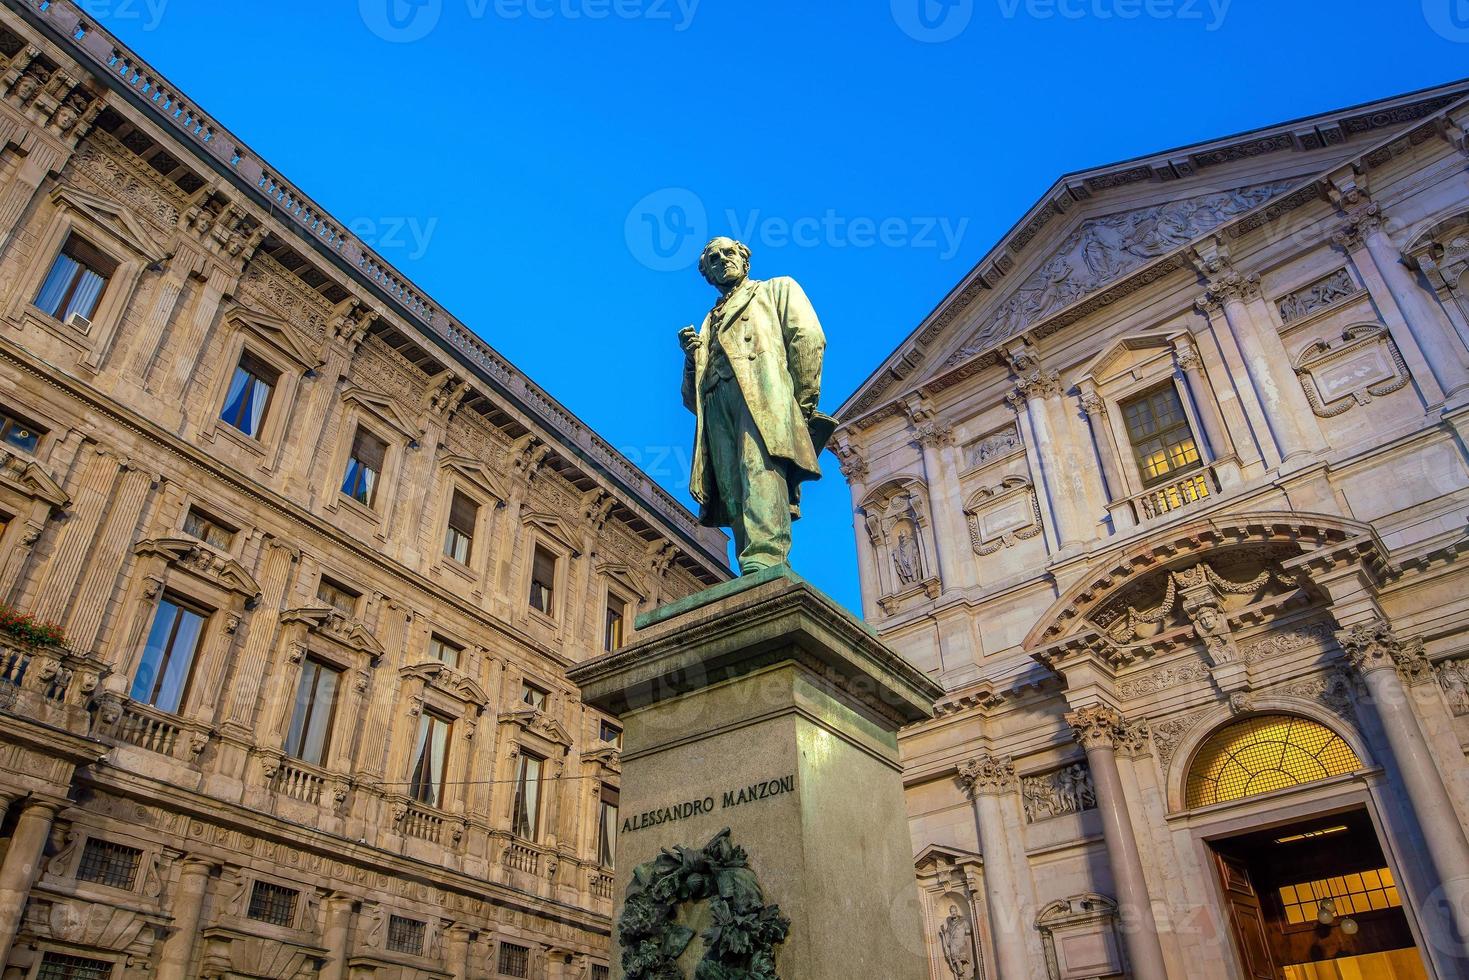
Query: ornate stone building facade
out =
(1170, 492)
(321, 558)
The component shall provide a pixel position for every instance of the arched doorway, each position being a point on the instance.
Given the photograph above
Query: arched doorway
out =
(1312, 900)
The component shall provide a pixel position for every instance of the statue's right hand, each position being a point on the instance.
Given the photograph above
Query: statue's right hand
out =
(688, 339)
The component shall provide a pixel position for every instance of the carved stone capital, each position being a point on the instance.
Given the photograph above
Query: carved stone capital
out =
(987, 774)
(1361, 222)
(1135, 738)
(1376, 646)
(1093, 404)
(1230, 286)
(1041, 384)
(851, 461)
(934, 433)
(1096, 726)
(1186, 356)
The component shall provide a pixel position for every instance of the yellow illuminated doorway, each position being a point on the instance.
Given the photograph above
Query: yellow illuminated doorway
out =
(1316, 901)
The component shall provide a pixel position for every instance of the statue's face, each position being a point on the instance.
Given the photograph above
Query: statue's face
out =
(953, 911)
(726, 261)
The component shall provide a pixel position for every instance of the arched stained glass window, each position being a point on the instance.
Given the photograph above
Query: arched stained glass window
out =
(1261, 754)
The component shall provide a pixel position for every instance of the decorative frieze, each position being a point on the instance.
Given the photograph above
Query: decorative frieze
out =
(993, 446)
(1057, 793)
(1364, 364)
(1324, 292)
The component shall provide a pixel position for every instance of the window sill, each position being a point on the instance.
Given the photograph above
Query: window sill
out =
(249, 443)
(358, 507)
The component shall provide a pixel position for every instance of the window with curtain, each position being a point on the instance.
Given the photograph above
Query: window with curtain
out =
(364, 467)
(615, 625)
(444, 651)
(310, 733)
(532, 695)
(527, 806)
(248, 397)
(459, 539)
(607, 827)
(430, 754)
(198, 524)
(543, 581)
(1162, 442)
(162, 677)
(76, 281)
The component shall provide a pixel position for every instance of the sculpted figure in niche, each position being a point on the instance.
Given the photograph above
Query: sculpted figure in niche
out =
(906, 560)
(752, 378)
(957, 940)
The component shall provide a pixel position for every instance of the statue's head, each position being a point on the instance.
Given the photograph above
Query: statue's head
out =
(953, 911)
(724, 262)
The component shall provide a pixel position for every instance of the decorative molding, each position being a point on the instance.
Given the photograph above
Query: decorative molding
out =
(202, 560)
(1002, 516)
(1318, 295)
(993, 446)
(1366, 363)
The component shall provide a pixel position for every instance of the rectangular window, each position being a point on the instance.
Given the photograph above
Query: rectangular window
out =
(607, 827)
(533, 696)
(19, 433)
(610, 733)
(210, 530)
(527, 807)
(60, 966)
(543, 581)
(1353, 894)
(248, 396)
(163, 675)
(1158, 430)
(275, 904)
(459, 539)
(106, 863)
(75, 283)
(364, 467)
(444, 651)
(406, 935)
(316, 703)
(338, 596)
(514, 960)
(600, 972)
(430, 752)
(613, 629)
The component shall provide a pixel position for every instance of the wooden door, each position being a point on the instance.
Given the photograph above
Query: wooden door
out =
(1246, 919)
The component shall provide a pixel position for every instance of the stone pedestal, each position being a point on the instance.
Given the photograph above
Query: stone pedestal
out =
(762, 707)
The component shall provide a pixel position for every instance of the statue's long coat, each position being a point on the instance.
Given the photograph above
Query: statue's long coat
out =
(775, 345)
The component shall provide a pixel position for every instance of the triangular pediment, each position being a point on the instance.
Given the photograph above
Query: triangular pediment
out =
(199, 558)
(478, 473)
(1127, 353)
(277, 332)
(31, 479)
(555, 528)
(449, 680)
(624, 576)
(383, 408)
(537, 722)
(113, 219)
(1098, 235)
(328, 621)
(938, 855)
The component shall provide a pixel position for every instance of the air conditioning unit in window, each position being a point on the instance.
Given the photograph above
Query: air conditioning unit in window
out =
(79, 322)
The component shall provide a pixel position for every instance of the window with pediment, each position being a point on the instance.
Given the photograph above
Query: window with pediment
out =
(166, 667)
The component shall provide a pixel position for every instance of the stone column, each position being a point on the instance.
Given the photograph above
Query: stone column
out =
(985, 778)
(22, 865)
(1029, 400)
(135, 353)
(935, 439)
(40, 159)
(1098, 729)
(1190, 365)
(172, 385)
(188, 907)
(458, 952)
(107, 556)
(1435, 336)
(1287, 412)
(75, 541)
(1378, 655)
(336, 936)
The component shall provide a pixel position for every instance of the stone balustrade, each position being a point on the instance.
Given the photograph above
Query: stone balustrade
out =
(49, 684)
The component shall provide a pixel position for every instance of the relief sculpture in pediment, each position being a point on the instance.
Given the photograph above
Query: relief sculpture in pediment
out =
(1104, 249)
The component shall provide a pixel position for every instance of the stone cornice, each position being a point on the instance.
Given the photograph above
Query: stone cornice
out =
(200, 138)
(1408, 113)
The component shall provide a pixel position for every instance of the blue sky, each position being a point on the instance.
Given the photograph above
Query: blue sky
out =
(517, 157)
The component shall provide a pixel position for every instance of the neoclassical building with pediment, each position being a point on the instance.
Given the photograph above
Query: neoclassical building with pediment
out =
(319, 558)
(1171, 493)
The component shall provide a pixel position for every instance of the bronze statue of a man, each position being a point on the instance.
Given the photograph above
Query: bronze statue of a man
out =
(752, 378)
